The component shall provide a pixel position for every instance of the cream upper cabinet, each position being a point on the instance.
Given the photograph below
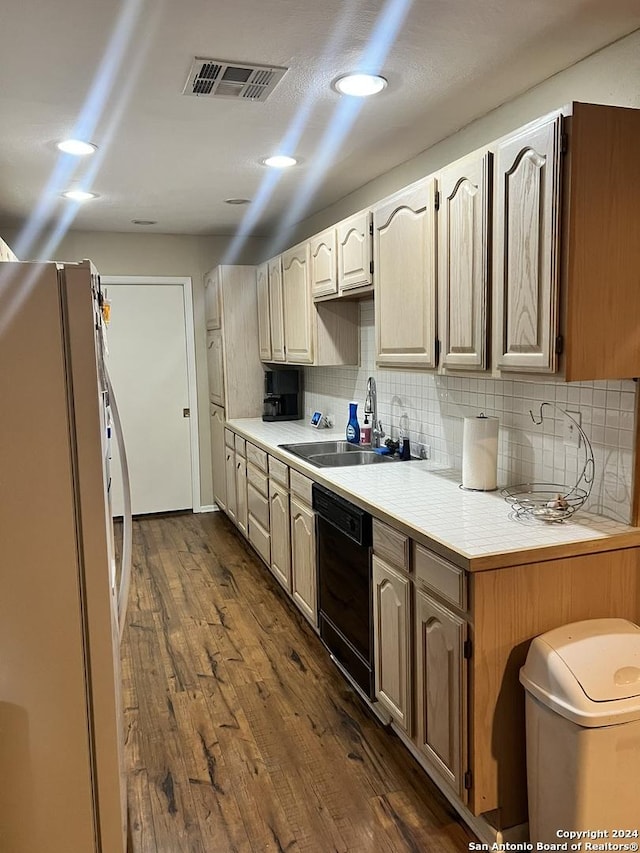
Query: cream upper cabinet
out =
(392, 641)
(296, 288)
(218, 456)
(280, 533)
(526, 258)
(464, 227)
(441, 677)
(264, 312)
(405, 251)
(212, 306)
(215, 367)
(322, 259)
(303, 559)
(276, 309)
(355, 252)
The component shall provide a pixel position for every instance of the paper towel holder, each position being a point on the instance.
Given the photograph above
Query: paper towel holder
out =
(464, 488)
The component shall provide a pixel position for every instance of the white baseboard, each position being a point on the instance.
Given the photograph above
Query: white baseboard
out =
(210, 508)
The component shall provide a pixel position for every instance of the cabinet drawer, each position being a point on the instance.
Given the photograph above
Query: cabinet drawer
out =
(229, 438)
(278, 471)
(301, 486)
(442, 577)
(258, 505)
(260, 539)
(257, 457)
(391, 545)
(240, 445)
(258, 480)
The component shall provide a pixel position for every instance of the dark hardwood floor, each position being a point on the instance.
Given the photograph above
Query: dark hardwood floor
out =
(241, 735)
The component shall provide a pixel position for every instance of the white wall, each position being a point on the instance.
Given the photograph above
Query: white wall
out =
(162, 255)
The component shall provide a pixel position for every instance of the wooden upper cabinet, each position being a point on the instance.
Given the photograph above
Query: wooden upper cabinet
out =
(215, 367)
(404, 241)
(441, 700)
(264, 312)
(212, 303)
(296, 288)
(276, 309)
(322, 258)
(355, 257)
(464, 227)
(526, 269)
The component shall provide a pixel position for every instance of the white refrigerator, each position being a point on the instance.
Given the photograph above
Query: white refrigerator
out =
(62, 599)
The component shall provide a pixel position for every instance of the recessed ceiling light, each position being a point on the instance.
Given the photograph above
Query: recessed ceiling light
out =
(237, 201)
(359, 85)
(79, 195)
(77, 147)
(280, 161)
(144, 221)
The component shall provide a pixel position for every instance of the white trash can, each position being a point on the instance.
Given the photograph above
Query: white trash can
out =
(582, 685)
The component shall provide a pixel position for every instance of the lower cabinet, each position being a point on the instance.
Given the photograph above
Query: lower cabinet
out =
(280, 533)
(303, 559)
(441, 700)
(241, 493)
(230, 478)
(258, 508)
(218, 456)
(392, 641)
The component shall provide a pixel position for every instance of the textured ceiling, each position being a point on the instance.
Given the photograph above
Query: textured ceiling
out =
(118, 69)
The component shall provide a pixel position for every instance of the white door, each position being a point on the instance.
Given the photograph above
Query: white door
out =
(147, 363)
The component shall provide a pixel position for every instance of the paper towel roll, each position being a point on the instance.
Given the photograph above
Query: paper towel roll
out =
(480, 453)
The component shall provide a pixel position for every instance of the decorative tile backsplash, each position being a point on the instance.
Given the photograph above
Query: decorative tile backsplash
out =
(436, 405)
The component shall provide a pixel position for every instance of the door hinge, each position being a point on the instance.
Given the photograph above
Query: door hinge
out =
(564, 143)
(467, 649)
(371, 229)
(437, 200)
(559, 345)
(186, 413)
(468, 779)
(437, 352)
(371, 267)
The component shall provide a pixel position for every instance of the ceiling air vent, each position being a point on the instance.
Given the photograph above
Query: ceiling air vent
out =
(218, 78)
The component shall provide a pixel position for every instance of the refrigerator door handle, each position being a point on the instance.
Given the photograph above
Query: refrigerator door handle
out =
(125, 570)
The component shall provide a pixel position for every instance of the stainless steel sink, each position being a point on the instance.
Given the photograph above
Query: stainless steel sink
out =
(335, 454)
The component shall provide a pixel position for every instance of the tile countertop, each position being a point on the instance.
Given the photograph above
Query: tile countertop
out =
(476, 530)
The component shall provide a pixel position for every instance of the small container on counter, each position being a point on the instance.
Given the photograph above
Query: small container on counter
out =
(353, 427)
(365, 432)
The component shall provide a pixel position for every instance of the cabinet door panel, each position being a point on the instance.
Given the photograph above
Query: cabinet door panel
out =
(230, 475)
(464, 223)
(241, 494)
(303, 560)
(215, 367)
(526, 256)
(404, 233)
(276, 306)
(441, 690)
(212, 306)
(264, 318)
(280, 533)
(218, 456)
(391, 641)
(297, 305)
(322, 254)
(355, 251)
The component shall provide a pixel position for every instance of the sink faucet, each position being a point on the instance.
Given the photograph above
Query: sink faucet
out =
(371, 408)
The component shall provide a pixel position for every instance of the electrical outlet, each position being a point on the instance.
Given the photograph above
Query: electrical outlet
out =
(571, 433)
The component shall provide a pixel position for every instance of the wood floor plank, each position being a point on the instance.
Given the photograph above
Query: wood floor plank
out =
(241, 735)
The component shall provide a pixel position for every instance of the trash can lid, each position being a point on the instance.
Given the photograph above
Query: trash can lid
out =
(589, 672)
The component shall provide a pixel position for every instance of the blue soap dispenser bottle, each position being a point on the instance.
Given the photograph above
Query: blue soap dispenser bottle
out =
(353, 427)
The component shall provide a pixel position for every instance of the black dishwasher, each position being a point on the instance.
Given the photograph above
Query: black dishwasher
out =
(344, 585)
